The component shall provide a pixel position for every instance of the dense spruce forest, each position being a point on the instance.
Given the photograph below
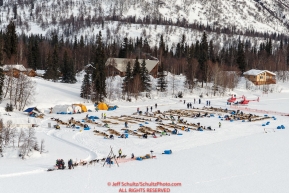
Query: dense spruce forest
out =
(201, 60)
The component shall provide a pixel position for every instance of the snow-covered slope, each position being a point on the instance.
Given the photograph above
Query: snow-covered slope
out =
(70, 18)
(219, 161)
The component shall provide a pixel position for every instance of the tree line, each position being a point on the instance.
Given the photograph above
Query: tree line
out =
(23, 140)
(62, 58)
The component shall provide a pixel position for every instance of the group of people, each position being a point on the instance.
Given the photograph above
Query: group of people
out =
(150, 108)
(145, 136)
(147, 109)
(103, 115)
(189, 105)
(208, 103)
(60, 164)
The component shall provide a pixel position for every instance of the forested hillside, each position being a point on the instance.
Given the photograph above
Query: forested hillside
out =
(191, 37)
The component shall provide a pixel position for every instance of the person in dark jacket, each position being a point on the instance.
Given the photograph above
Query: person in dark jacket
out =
(108, 160)
(70, 164)
(61, 164)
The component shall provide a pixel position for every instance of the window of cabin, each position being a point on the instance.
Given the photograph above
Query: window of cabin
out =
(261, 77)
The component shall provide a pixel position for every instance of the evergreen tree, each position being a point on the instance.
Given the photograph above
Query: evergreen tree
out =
(123, 52)
(99, 72)
(51, 63)
(68, 74)
(1, 2)
(162, 46)
(75, 43)
(146, 46)
(54, 39)
(268, 47)
(190, 68)
(241, 57)
(55, 62)
(127, 80)
(86, 86)
(287, 61)
(33, 58)
(145, 78)
(81, 42)
(2, 76)
(161, 81)
(15, 11)
(10, 44)
(130, 48)
(211, 52)
(183, 46)
(281, 45)
(136, 67)
(197, 50)
(203, 58)
(178, 51)
(61, 43)
(113, 49)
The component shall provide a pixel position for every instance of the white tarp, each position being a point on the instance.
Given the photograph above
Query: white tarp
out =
(76, 108)
(62, 108)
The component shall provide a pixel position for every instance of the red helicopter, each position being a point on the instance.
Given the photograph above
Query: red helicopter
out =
(245, 101)
(233, 99)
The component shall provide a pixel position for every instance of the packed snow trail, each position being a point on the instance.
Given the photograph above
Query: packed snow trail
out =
(21, 173)
(91, 154)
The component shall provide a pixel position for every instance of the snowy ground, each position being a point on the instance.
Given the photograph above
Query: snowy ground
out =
(238, 157)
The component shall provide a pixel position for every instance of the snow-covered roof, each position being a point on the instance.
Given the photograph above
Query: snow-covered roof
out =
(29, 69)
(88, 66)
(120, 63)
(40, 72)
(19, 67)
(62, 108)
(255, 72)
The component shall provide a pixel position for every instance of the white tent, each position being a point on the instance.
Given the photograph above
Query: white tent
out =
(62, 109)
(76, 108)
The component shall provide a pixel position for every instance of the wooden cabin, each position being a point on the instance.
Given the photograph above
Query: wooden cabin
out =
(89, 68)
(117, 66)
(14, 69)
(30, 72)
(260, 77)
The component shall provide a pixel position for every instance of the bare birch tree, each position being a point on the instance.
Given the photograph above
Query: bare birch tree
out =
(1, 137)
(21, 136)
(42, 146)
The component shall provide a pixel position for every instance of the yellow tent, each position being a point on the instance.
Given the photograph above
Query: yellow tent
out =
(102, 106)
(83, 107)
